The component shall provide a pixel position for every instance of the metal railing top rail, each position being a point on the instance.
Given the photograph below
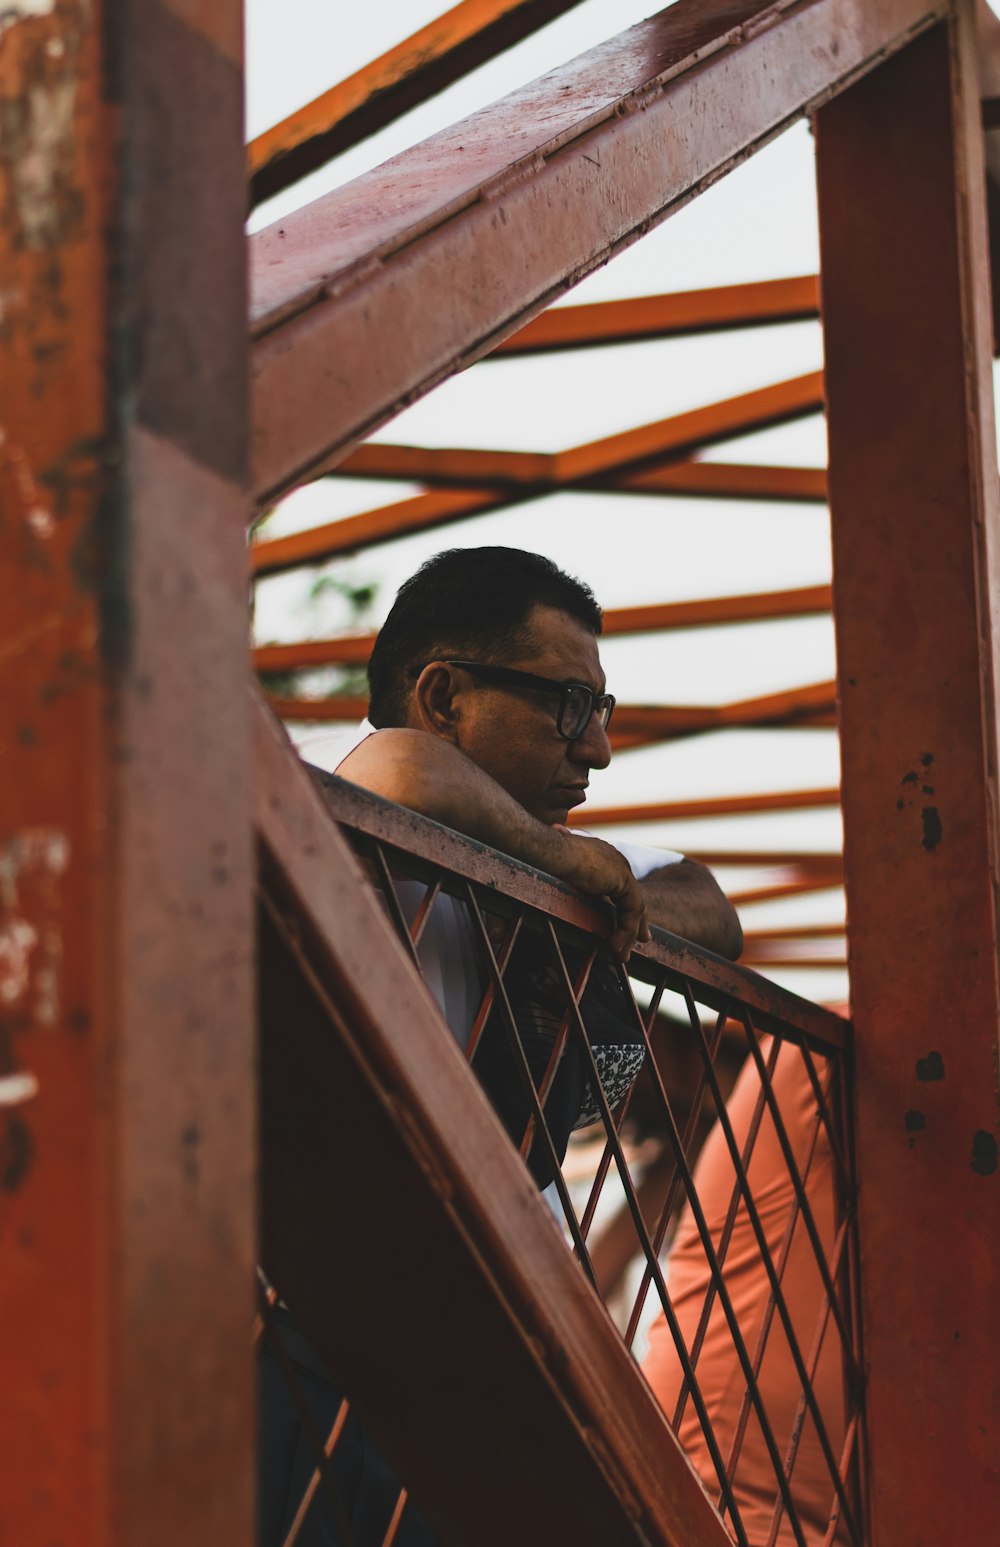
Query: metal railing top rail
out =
(431, 848)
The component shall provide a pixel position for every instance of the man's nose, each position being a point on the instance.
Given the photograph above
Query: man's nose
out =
(592, 745)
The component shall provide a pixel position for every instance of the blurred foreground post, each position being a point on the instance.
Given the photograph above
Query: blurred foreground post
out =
(913, 490)
(126, 1161)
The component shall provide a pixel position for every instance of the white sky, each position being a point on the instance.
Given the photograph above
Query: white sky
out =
(758, 223)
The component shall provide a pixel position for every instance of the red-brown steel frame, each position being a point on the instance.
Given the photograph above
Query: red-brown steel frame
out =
(915, 531)
(126, 1076)
(126, 1012)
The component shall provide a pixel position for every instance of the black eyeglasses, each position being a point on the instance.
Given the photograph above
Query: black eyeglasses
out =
(577, 702)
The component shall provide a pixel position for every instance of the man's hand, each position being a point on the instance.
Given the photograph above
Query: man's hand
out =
(597, 868)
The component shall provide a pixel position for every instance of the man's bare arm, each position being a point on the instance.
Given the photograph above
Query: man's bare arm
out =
(686, 899)
(429, 774)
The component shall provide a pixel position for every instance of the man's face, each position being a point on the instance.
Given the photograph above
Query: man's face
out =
(511, 732)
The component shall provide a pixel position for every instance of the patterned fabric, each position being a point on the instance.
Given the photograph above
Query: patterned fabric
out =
(539, 1002)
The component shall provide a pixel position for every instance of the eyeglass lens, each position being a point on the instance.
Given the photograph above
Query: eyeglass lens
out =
(577, 706)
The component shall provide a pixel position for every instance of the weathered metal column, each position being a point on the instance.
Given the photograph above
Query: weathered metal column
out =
(126, 1157)
(916, 527)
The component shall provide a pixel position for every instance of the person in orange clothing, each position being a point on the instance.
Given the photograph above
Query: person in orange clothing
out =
(718, 1369)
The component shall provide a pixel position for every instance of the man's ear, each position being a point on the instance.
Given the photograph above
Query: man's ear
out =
(435, 701)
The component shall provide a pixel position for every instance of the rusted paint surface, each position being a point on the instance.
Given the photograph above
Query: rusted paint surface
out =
(465, 37)
(490, 198)
(124, 849)
(594, 1458)
(666, 316)
(915, 537)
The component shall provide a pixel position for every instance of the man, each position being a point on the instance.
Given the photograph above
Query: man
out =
(490, 710)
(461, 739)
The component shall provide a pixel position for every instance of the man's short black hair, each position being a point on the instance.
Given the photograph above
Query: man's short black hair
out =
(472, 602)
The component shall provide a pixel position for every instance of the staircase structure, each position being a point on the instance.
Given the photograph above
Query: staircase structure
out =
(215, 1045)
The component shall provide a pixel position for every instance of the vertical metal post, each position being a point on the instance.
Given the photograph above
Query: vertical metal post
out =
(126, 1132)
(913, 489)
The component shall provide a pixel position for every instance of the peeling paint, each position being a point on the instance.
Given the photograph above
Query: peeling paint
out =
(37, 126)
(18, 939)
(31, 863)
(39, 152)
(20, 494)
(16, 1089)
(15, 11)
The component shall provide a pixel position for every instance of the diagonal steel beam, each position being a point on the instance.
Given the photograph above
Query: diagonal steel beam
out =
(713, 805)
(466, 36)
(725, 481)
(422, 513)
(665, 316)
(441, 507)
(353, 1050)
(489, 221)
(604, 463)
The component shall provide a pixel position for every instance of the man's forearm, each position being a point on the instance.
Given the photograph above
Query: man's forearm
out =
(686, 899)
(432, 776)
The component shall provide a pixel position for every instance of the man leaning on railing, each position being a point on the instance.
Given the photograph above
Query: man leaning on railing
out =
(488, 712)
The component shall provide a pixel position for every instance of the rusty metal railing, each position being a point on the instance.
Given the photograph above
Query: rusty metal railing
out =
(714, 1108)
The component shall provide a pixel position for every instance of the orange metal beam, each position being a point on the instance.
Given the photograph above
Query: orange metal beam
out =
(593, 1455)
(701, 427)
(727, 481)
(354, 649)
(796, 932)
(126, 1028)
(419, 514)
(781, 961)
(334, 711)
(467, 35)
(639, 723)
(705, 611)
(718, 805)
(491, 195)
(794, 887)
(665, 316)
(711, 480)
(348, 650)
(902, 218)
(592, 464)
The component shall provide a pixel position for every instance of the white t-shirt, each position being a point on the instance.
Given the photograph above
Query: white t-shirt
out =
(447, 949)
